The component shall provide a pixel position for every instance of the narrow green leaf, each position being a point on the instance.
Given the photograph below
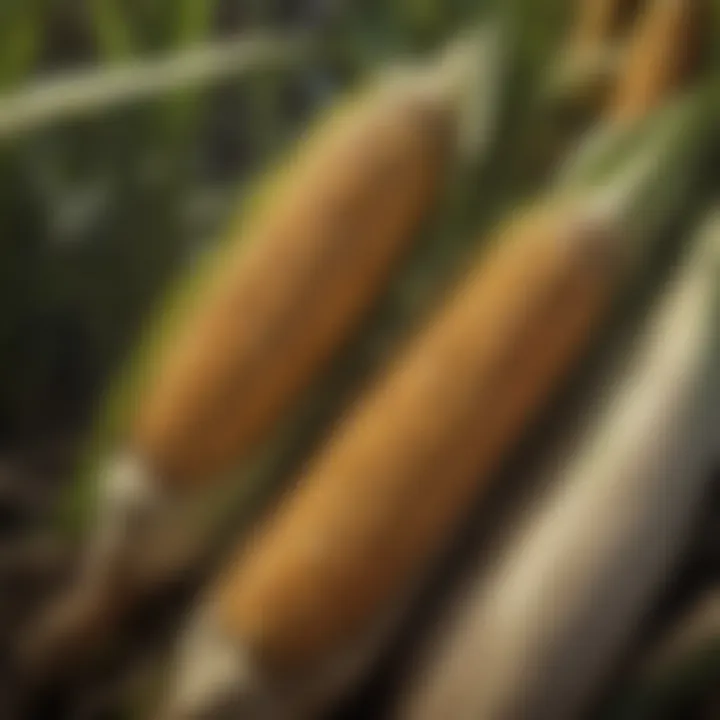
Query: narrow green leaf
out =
(90, 92)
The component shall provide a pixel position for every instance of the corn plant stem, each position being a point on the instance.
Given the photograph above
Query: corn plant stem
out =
(113, 33)
(179, 114)
(20, 38)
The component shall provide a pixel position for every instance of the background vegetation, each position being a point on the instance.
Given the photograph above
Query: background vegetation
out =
(101, 203)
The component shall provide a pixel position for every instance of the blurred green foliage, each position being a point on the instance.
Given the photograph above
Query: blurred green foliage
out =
(97, 214)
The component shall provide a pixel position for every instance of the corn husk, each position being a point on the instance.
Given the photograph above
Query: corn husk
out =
(535, 635)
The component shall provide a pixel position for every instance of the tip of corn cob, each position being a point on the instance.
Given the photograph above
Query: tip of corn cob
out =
(477, 63)
(467, 75)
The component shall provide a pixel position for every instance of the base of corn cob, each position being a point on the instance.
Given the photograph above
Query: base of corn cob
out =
(130, 498)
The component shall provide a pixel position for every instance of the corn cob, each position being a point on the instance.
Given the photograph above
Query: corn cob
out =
(374, 174)
(369, 514)
(534, 638)
(216, 389)
(264, 316)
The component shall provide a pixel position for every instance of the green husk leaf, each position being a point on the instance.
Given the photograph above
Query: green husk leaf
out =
(648, 168)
